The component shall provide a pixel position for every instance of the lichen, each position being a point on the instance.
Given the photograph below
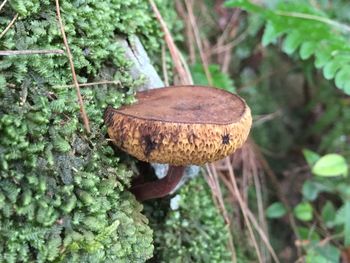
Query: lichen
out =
(62, 191)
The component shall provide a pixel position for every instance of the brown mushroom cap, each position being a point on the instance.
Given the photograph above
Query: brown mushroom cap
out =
(180, 125)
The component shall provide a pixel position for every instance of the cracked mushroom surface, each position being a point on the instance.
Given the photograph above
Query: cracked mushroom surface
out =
(180, 125)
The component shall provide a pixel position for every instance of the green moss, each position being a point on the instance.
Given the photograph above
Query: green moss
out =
(62, 192)
(196, 232)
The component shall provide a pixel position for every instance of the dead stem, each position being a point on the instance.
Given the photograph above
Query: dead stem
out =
(2, 4)
(165, 71)
(262, 235)
(248, 215)
(228, 46)
(243, 208)
(183, 75)
(280, 195)
(116, 82)
(189, 34)
(30, 52)
(229, 32)
(8, 26)
(70, 57)
(198, 41)
(213, 182)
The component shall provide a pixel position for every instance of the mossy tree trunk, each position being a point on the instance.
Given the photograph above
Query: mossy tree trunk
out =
(62, 191)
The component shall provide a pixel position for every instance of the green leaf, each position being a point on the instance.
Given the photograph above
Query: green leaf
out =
(331, 68)
(276, 210)
(270, 34)
(347, 224)
(311, 157)
(292, 42)
(306, 233)
(344, 190)
(310, 190)
(330, 165)
(307, 49)
(303, 211)
(244, 4)
(342, 79)
(328, 214)
(323, 254)
(340, 216)
(323, 55)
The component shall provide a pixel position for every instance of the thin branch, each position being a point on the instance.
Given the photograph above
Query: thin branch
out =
(262, 235)
(184, 78)
(279, 193)
(243, 209)
(2, 4)
(9, 26)
(165, 72)
(70, 57)
(198, 42)
(214, 184)
(226, 47)
(30, 52)
(116, 82)
(248, 214)
(325, 20)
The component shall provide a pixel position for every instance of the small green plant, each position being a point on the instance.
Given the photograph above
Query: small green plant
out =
(219, 79)
(331, 215)
(195, 231)
(309, 31)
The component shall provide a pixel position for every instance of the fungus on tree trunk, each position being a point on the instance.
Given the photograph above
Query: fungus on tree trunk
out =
(179, 125)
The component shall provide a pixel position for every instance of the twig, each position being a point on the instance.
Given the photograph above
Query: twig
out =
(280, 195)
(243, 208)
(116, 82)
(184, 78)
(165, 72)
(261, 214)
(30, 52)
(262, 235)
(198, 42)
(2, 4)
(230, 45)
(214, 184)
(248, 216)
(267, 117)
(189, 34)
(70, 57)
(9, 26)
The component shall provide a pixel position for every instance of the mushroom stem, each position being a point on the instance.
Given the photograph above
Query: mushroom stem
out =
(161, 187)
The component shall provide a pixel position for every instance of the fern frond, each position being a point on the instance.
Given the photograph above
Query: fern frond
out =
(310, 31)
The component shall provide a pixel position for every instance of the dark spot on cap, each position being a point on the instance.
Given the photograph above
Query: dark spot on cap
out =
(150, 144)
(225, 139)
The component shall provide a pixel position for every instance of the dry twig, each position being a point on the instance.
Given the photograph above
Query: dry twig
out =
(165, 72)
(198, 41)
(70, 57)
(2, 4)
(30, 52)
(213, 182)
(115, 82)
(243, 208)
(183, 75)
(8, 26)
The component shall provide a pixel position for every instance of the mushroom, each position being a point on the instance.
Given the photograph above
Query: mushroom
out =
(179, 125)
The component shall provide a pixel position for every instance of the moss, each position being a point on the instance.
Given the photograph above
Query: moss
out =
(196, 232)
(62, 192)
